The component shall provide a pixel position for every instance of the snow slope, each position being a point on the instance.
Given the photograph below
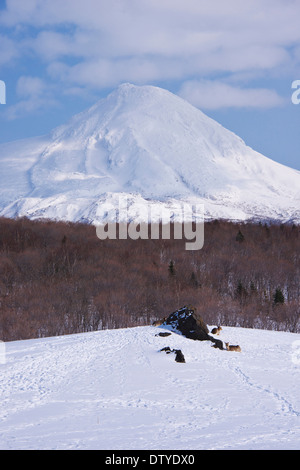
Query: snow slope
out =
(144, 143)
(114, 389)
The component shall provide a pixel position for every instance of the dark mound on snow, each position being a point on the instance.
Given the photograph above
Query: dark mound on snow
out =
(191, 325)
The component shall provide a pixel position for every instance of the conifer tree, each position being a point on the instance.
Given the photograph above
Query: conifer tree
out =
(194, 281)
(278, 297)
(240, 237)
(241, 291)
(171, 268)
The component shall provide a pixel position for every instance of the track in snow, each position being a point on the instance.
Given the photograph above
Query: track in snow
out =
(116, 390)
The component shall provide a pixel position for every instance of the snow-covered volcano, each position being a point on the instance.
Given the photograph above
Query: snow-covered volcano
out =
(147, 144)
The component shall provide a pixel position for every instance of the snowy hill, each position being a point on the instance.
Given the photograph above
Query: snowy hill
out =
(144, 143)
(115, 389)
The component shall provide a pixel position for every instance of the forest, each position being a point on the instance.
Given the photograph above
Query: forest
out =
(59, 278)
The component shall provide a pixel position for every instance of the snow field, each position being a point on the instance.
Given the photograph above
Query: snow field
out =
(115, 390)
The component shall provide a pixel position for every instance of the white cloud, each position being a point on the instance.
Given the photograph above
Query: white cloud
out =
(171, 28)
(8, 50)
(102, 73)
(97, 44)
(28, 86)
(30, 106)
(213, 95)
(35, 95)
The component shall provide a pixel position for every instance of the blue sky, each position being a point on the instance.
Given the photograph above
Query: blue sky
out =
(235, 60)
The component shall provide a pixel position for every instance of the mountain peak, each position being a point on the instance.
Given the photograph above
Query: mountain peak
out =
(151, 144)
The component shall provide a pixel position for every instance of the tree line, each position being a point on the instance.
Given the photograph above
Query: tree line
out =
(59, 278)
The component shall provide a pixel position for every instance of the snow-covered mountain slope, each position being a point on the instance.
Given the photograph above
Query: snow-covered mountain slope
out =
(115, 389)
(144, 143)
